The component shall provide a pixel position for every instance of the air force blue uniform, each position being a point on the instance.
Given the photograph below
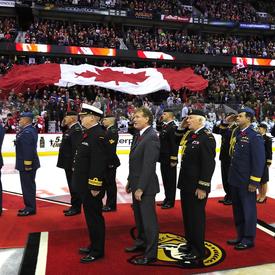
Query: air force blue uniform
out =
(27, 162)
(247, 166)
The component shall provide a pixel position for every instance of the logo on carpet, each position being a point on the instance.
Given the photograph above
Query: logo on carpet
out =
(168, 251)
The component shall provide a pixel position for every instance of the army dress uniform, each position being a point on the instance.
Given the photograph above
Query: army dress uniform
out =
(197, 168)
(27, 162)
(247, 166)
(70, 140)
(112, 164)
(88, 174)
(168, 154)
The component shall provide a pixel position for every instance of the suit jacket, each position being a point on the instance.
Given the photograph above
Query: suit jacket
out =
(2, 134)
(90, 161)
(26, 149)
(143, 157)
(198, 161)
(111, 140)
(70, 140)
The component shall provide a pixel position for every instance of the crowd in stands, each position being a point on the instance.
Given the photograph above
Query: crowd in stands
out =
(76, 34)
(229, 10)
(179, 41)
(7, 29)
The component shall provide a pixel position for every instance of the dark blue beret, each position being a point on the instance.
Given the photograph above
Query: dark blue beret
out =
(27, 114)
(247, 110)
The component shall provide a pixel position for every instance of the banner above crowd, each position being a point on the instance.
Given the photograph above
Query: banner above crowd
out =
(123, 79)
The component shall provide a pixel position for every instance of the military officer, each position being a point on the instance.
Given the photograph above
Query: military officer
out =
(225, 129)
(27, 162)
(70, 140)
(245, 172)
(2, 134)
(268, 155)
(88, 178)
(197, 168)
(168, 157)
(109, 122)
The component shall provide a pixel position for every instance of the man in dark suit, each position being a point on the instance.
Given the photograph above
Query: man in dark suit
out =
(168, 157)
(70, 140)
(225, 129)
(89, 170)
(109, 122)
(245, 173)
(27, 162)
(144, 185)
(197, 168)
(2, 134)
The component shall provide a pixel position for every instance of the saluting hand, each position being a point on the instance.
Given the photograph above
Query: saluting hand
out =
(184, 123)
(138, 194)
(201, 194)
(94, 193)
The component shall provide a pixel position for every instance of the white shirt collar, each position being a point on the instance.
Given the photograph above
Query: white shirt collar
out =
(198, 129)
(143, 130)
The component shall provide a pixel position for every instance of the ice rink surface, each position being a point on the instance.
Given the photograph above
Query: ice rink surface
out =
(51, 181)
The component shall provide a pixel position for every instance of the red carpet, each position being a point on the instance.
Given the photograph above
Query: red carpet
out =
(15, 230)
(63, 257)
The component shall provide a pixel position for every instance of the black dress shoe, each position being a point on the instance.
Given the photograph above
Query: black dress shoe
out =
(67, 210)
(227, 202)
(233, 242)
(166, 206)
(84, 250)
(108, 209)
(143, 261)
(25, 213)
(21, 210)
(221, 201)
(190, 257)
(184, 249)
(162, 203)
(243, 246)
(134, 248)
(90, 258)
(72, 212)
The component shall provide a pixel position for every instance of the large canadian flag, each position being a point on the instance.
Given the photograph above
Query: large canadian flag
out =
(123, 79)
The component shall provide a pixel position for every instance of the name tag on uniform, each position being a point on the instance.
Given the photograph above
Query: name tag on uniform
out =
(85, 143)
(195, 142)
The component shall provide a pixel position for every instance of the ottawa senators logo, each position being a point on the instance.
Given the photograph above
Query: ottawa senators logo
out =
(169, 254)
(168, 251)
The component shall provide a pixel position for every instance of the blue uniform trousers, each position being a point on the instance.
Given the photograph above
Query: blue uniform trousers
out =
(28, 186)
(245, 213)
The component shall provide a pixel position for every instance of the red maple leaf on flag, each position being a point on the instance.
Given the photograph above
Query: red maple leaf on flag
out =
(107, 75)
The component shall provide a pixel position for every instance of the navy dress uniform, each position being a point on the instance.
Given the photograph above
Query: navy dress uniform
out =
(27, 162)
(197, 168)
(112, 164)
(2, 134)
(168, 155)
(70, 140)
(246, 170)
(225, 130)
(89, 171)
(268, 155)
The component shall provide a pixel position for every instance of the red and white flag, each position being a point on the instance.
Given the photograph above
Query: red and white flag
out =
(123, 79)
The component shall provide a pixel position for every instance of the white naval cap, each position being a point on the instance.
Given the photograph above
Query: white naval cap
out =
(90, 109)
